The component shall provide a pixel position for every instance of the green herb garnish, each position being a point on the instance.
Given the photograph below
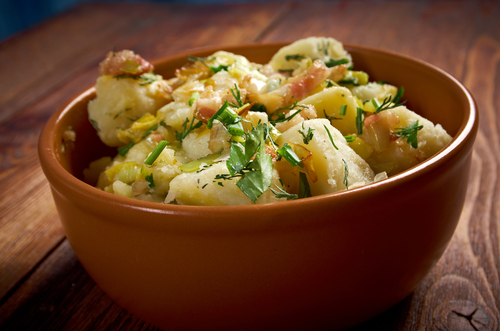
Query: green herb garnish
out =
(296, 57)
(186, 130)
(156, 152)
(343, 110)
(154, 127)
(350, 138)
(193, 98)
(123, 150)
(390, 103)
(307, 135)
(281, 193)
(288, 154)
(410, 133)
(359, 120)
(332, 63)
(331, 138)
(150, 180)
(95, 125)
(304, 189)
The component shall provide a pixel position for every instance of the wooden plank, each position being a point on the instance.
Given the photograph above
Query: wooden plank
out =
(62, 69)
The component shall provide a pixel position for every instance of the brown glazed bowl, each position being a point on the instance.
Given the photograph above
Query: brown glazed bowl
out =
(331, 261)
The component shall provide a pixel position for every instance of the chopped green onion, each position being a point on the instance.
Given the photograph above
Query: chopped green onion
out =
(296, 57)
(332, 63)
(288, 154)
(156, 152)
(350, 138)
(343, 110)
(151, 129)
(216, 115)
(218, 68)
(236, 129)
(194, 96)
(359, 120)
(150, 180)
(304, 189)
(259, 108)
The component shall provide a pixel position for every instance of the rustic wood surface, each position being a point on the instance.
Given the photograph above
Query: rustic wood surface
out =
(42, 284)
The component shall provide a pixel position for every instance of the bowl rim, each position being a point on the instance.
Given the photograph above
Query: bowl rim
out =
(55, 171)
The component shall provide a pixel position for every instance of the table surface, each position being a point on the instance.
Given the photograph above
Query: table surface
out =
(42, 284)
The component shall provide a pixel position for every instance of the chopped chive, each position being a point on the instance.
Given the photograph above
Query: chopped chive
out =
(123, 150)
(331, 138)
(156, 152)
(332, 63)
(194, 96)
(359, 120)
(350, 138)
(216, 115)
(304, 189)
(343, 110)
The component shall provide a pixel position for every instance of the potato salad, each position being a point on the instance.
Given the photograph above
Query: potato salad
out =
(226, 131)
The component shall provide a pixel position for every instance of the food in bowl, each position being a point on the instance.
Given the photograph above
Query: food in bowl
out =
(226, 131)
(326, 262)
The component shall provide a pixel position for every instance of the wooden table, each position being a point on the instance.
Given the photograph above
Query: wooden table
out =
(42, 284)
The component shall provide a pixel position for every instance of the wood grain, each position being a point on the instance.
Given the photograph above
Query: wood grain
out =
(42, 284)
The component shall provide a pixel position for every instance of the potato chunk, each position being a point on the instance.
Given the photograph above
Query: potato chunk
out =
(330, 101)
(329, 163)
(119, 102)
(399, 155)
(202, 189)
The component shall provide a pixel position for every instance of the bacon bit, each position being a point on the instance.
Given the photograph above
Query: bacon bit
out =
(124, 62)
(204, 113)
(305, 82)
(271, 151)
(338, 72)
(156, 136)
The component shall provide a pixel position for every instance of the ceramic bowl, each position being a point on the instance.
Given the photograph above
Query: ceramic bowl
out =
(328, 261)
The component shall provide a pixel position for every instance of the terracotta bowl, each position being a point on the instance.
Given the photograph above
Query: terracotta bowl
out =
(329, 261)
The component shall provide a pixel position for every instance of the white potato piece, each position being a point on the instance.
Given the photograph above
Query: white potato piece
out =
(330, 101)
(175, 114)
(202, 189)
(327, 160)
(314, 48)
(400, 155)
(374, 90)
(195, 145)
(119, 102)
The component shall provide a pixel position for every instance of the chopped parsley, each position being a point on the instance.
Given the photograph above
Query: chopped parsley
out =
(150, 180)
